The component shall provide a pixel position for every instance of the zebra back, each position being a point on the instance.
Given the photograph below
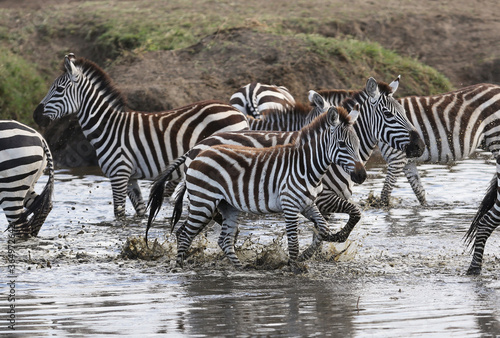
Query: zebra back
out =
(256, 99)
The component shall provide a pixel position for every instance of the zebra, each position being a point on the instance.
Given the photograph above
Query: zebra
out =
(24, 155)
(255, 99)
(130, 145)
(485, 221)
(284, 178)
(453, 125)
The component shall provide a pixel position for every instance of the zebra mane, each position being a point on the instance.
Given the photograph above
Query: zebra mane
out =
(384, 88)
(92, 70)
(321, 123)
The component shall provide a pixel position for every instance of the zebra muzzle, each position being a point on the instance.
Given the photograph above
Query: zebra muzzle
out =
(358, 175)
(40, 119)
(416, 146)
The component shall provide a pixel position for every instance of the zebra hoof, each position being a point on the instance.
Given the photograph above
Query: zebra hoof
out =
(298, 267)
(473, 271)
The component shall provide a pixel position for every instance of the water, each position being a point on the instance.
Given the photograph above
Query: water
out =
(402, 272)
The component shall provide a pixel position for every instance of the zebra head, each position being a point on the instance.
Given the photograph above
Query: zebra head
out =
(344, 146)
(62, 98)
(384, 119)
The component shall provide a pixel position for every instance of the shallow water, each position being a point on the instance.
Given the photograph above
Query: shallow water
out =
(402, 272)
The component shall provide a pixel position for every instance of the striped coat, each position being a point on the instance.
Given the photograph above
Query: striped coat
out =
(453, 125)
(256, 99)
(130, 145)
(24, 155)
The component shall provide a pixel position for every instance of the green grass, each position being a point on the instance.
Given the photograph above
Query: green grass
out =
(21, 88)
(360, 59)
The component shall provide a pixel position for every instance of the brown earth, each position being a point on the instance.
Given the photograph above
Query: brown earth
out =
(459, 38)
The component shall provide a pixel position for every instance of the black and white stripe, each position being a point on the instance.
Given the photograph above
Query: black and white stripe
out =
(256, 99)
(24, 155)
(284, 178)
(130, 145)
(486, 220)
(453, 125)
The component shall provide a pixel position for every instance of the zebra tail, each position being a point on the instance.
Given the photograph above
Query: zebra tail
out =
(486, 204)
(42, 205)
(158, 188)
(176, 215)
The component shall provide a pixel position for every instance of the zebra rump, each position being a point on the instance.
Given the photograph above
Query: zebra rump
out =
(19, 171)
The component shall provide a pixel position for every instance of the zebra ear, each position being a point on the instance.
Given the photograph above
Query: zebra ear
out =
(70, 66)
(316, 99)
(372, 88)
(333, 116)
(395, 84)
(354, 114)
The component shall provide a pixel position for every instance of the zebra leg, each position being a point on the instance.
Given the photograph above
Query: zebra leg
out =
(119, 187)
(321, 227)
(411, 173)
(134, 193)
(328, 203)
(394, 169)
(486, 225)
(199, 215)
(228, 233)
(292, 219)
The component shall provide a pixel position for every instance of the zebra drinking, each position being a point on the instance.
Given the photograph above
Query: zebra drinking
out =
(453, 125)
(24, 155)
(130, 145)
(284, 178)
(256, 99)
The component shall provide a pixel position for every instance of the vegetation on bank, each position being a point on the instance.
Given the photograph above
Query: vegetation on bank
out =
(113, 30)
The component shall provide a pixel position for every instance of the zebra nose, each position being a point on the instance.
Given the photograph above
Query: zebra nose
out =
(40, 119)
(416, 146)
(358, 175)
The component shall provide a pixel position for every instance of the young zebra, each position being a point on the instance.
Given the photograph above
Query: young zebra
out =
(24, 155)
(130, 145)
(284, 178)
(256, 99)
(453, 125)
(486, 220)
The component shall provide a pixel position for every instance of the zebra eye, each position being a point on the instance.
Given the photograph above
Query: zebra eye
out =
(60, 89)
(388, 113)
(342, 144)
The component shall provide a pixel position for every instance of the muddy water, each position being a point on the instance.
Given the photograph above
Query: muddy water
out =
(402, 272)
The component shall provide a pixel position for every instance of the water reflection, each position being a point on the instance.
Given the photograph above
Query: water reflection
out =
(269, 305)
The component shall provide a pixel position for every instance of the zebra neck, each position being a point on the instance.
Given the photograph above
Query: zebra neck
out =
(313, 160)
(364, 125)
(99, 119)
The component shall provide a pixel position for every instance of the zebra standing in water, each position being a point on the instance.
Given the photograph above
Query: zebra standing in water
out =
(486, 220)
(453, 125)
(24, 155)
(130, 145)
(285, 178)
(256, 99)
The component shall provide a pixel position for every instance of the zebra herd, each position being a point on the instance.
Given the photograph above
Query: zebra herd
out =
(262, 152)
